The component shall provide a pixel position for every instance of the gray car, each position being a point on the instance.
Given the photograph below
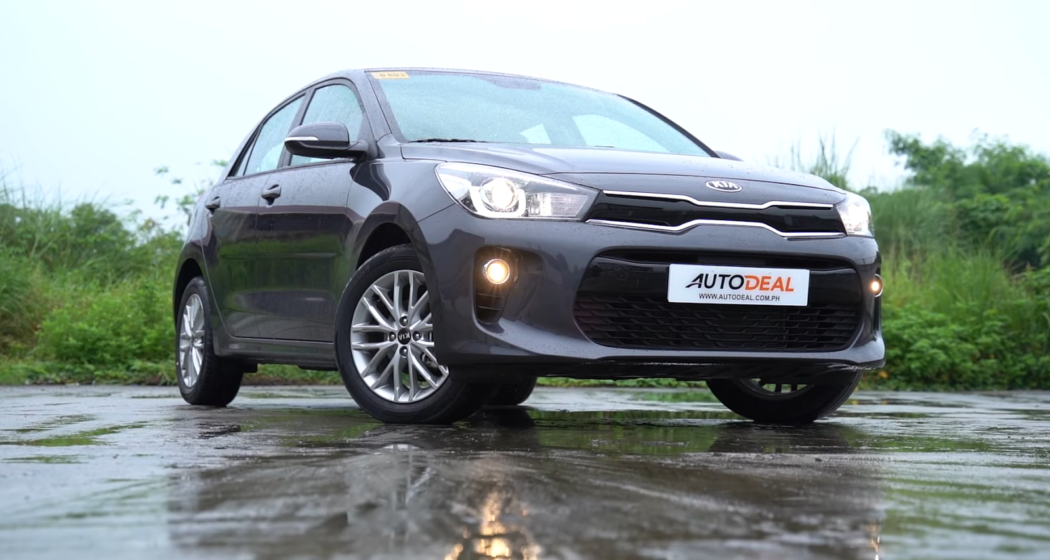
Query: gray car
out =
(443, 238)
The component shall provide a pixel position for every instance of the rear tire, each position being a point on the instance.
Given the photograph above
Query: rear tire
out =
(513, 393)
(748, 399)
(397, 380)
(204, 378)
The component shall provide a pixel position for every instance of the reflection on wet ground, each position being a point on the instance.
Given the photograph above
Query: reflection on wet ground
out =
(302, 473)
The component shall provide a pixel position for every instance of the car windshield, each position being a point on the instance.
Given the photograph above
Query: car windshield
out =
(446, 106)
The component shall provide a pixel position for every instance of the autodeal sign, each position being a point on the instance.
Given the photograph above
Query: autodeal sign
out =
(736, 285)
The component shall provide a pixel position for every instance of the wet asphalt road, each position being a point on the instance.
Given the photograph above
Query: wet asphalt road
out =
(93, 472)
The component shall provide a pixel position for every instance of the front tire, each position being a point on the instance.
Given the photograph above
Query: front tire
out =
(204, 378)
(384, 343)
(766, 402)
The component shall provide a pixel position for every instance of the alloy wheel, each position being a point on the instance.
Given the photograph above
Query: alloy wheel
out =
(770, 389)
(191, 341)
(392, 339)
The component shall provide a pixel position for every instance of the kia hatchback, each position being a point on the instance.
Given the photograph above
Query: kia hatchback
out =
(443, 238)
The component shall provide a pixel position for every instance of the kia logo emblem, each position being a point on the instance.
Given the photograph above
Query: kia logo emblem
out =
(404, 336)
(724, 186)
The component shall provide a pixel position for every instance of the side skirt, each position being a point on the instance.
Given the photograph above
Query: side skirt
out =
(311, 355)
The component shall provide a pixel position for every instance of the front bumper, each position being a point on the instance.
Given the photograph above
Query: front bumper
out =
(537, 332)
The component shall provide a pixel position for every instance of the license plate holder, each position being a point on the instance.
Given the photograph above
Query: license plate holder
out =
(738, 285)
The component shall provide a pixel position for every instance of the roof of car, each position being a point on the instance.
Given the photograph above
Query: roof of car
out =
(359, 71)
(451, 70)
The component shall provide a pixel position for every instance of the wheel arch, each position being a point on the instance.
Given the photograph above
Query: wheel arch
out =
(187, 271)
(389, 225)
(383, 236)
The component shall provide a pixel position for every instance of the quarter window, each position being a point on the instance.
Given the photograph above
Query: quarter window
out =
(336, 103)
(269, 144)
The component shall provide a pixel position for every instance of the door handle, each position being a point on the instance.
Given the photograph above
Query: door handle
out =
(271, 193)
(213, 204)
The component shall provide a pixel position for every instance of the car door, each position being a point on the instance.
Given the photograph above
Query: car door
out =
(304, 226)
(232, 260)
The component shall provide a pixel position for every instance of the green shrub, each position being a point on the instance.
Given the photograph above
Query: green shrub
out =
(108, 326)
(930, 350)
(959, 320)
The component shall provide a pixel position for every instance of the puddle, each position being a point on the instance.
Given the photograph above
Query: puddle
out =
(334, 438)
(254, 395)
(628, 416)
(588, 473)
(219, 431)
(677, 396)
(306, 393)
(882, 415)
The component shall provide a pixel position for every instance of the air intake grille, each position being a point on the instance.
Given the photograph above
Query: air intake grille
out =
(654, 323)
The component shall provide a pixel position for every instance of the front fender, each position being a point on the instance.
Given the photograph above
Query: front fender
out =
(409, 193)
(392, 213)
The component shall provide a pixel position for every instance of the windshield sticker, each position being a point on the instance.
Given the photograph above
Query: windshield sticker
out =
(390, 75)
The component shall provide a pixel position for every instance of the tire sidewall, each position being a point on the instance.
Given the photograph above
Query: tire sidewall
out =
(198, 287)
(514, 393)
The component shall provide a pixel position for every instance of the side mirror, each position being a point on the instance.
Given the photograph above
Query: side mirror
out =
(326, 140)
(727, 155)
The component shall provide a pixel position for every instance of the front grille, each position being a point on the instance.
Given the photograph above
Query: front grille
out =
(648, 257)
(654, 323)
(662, 212)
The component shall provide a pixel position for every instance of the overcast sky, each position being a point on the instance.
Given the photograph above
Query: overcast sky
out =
(95, 95)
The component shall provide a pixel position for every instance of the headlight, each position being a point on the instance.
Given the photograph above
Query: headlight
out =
(856, 215)
(501, 193)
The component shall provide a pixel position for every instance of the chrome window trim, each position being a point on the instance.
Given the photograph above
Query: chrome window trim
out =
(694, 223)
(738, 205)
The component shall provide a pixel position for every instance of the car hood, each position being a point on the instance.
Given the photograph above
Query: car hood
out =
(597, 167)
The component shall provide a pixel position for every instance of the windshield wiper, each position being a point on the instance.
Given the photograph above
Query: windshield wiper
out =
(447, 140)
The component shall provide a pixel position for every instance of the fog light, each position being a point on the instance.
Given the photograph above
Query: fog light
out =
(876, 285)
(496, 271)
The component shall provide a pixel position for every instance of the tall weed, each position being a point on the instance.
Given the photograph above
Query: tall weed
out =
(22, 302)
(911, 220)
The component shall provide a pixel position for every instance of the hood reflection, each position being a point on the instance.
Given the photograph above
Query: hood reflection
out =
(524, 484)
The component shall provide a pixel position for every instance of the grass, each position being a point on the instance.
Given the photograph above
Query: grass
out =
(12, 374)
(46, 459)
(55, 423)
(87, 437)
